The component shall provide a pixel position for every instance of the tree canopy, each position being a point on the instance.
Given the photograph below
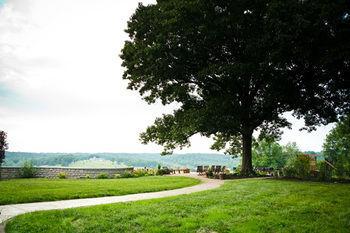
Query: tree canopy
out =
(336, 148)
(237, 66)
(3, 145)
(271, 154)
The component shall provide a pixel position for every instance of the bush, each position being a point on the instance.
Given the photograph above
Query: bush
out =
(289, 171)
(143, 172)
(140, 172)
(62, 175)
(102, 176)
(163, 171)
(152, 172)
(298, 167)
(325, 171)
(237, 170)
(28, 170)
(127, 175)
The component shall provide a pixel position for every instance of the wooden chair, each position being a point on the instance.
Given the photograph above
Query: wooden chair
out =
(186, 170)
(200, 170)
(216, 169)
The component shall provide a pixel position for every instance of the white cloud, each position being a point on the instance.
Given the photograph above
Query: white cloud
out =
(60, 80)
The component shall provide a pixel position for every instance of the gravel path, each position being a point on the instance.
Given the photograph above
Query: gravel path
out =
(10, 211)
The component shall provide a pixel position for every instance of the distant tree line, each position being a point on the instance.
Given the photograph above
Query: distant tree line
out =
(131, 159)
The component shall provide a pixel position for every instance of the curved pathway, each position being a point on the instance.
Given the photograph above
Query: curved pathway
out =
(10, 211)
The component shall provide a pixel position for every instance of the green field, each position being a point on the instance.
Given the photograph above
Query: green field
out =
(249, 205)
(35, 190)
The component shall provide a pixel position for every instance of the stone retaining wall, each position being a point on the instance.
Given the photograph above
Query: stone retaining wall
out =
(52, 172)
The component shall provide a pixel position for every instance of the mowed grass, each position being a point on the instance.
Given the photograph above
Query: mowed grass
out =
(249, 205)
(37, 190)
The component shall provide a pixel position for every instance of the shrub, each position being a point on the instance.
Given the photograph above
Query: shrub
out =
(102, 176)
(226, 171)
(152, 172)
(237, 170)
(117, 176)
(298, 167)
(140, 172)
(62, 175)
(87, 176)
(127, 175)
(163, 171)
(325, 171)
(289, 171)
(28, 170)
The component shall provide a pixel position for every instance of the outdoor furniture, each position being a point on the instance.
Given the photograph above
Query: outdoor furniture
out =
(216, 169)
(267, 170)
(200, 170)
(186, 170)
(181, 170)
(176, 170)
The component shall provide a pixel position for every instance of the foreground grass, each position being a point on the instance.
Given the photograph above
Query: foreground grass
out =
(239, 206)
(36, 190)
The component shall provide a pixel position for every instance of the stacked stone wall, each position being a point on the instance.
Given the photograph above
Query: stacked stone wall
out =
(53, 172)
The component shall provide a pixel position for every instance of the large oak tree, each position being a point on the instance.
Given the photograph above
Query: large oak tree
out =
(236, 66)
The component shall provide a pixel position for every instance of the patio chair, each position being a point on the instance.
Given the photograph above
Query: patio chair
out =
(186, 170)
(200, 170)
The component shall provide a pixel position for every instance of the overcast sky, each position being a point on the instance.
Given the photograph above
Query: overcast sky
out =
(60, 81)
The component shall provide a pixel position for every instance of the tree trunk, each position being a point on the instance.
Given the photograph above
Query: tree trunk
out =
(247, 167)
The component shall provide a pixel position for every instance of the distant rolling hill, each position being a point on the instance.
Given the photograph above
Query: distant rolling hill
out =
(119, 159)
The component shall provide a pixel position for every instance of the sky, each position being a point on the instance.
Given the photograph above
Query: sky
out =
(61, 87)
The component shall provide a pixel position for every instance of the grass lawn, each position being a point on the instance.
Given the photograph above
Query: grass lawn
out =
(248, 205)
(35, 190)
